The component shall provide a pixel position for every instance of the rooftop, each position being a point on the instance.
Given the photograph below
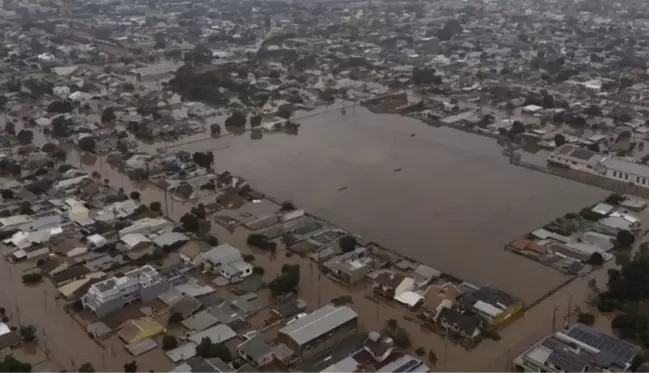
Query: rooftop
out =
(318, 323)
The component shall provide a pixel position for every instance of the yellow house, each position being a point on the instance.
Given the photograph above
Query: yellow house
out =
(493, 304)
(137, 330)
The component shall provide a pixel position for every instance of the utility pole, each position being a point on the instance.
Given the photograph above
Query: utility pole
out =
(568, 319)
(554, 318)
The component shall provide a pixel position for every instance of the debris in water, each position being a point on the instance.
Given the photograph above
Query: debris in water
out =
(397, 169)
(343, 188)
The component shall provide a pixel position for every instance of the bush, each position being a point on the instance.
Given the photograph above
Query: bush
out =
(622, 321)
(625, 238)
(169, 342)
(257, 240)
(559, 139)
(342, 300)
(87, 144)
(155, 206)
(135, 196)
(420, 351)
(591, 215)
(86, 367)
(32, 278)
(347, 243)
(10, 364)
(211, 240)
(586, 319)
(27, 333)
(614, 199)
(175, 318)
(248, 258)
(130, 367)
(606, 305)
(258, 271)
(596, 259)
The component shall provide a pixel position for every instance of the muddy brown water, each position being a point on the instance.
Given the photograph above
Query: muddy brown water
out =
(453, 205)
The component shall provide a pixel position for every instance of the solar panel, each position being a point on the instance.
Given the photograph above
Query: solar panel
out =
(407, 366)
(566, 362)
(619, 351)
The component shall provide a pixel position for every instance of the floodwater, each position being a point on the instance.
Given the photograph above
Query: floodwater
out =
(444, 197)
(452, 205)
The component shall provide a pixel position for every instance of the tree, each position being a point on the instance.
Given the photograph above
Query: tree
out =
(189, 222)
(287, 206)
(32, 278)
(169, 342)
(86, 367)
(248, 258)
(155, 206)
(10, 128)
(211, 240)
(215, 130)
(259, 271)
(451, 28)
(130, 367)
(135, 195)
(203, 159)
(432, 357)
(559, 139)
(10, 364)
(625, 238)
(596, 259)
(518, 127)
(28, 333)
(589, 214)
(614, 199)
(175, 318)
(342, 300)
(347, 243)
(236, 119)
(7, 194)
(25, 137)
(59, 126)
(420, 351)
(48, 148)
(586, 319)
(207, 349)
(25, 208)
(108, 115)
(255, 121)
(287, 281)
(87, 144)
(59, 107)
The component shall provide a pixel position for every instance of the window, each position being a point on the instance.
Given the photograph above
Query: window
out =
(626, 176)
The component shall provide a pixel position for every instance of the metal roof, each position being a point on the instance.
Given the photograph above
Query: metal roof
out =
(318, 323)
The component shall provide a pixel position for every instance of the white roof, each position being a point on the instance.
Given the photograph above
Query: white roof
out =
(487, 308)
(97, 239)
(133, 239)
(409, 298)
(603, 208)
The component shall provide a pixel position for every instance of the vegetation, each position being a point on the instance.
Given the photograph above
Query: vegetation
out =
(559, 139)
(347, 243)
(32, 278)
(203, 159)
(86, 367)
(286, 282)
(248, 258)
(10, 364)
(207, 349)
(255, 121)
(175, 318)
(108, 115)
(27, 333)
(432, 357)
(59, 107)
(342, 300)
(215, 130)
(287, 206)
(236, 120)
(25, 137)
(420, 351)
(258, 271)
(614, 199)
(199, 211)
(189, 222)
(398, 334)
(211, 240)
(625, 238)
(586, 318)
(130, 367)
(155, 206)
(135, 196)
(169, 342)
(87, 144)
(10, 128)
(262, 242)
(589, 214)
(518, 128)
(596, 259)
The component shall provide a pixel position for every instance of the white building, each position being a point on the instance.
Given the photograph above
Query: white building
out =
(227, 261)
(594, 163)
(114, 293)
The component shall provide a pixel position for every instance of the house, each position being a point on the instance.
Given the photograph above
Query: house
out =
(170, 240)
(226, 261)
(379, 347)
(257, 351)
(350, 267)
(405, 364)
(182, 352)
(578, 349)
(438, 297)
(137, 330)
(493, 304)
(146, 226)
(392, 285)
(200, 321)
(467, 324)
(135, 241)
(114, 293)
(199, 364)
(319, 330)
(217, 334)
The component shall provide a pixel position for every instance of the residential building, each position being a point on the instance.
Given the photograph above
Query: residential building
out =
(594, 163)
(320, 330)
(257, 351)
(493, 304)
(350, 267)
(226, 261)
(439, 297)
(114, 293)
(405, 364)
(467, 324)
(578, 349)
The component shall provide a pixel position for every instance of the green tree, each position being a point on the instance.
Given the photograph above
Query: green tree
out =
(559, 139)
(175, 318)
(286, 282)
(10, 128)
(189, 222)
(135, 196)
(86, 367)
(614, 199)
(10, 364)
(347, 243)
(169, 342)
(27, 333)
(586, 319)
(596, 259)
(625, 238)
(130, 367)
(155, 206)
(25, 137)
(518, 127)
(87, 144)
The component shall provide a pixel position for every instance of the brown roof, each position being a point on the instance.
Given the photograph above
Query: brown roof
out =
(435, 294)
(389, 279)
(523, 244)
(376, 344)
